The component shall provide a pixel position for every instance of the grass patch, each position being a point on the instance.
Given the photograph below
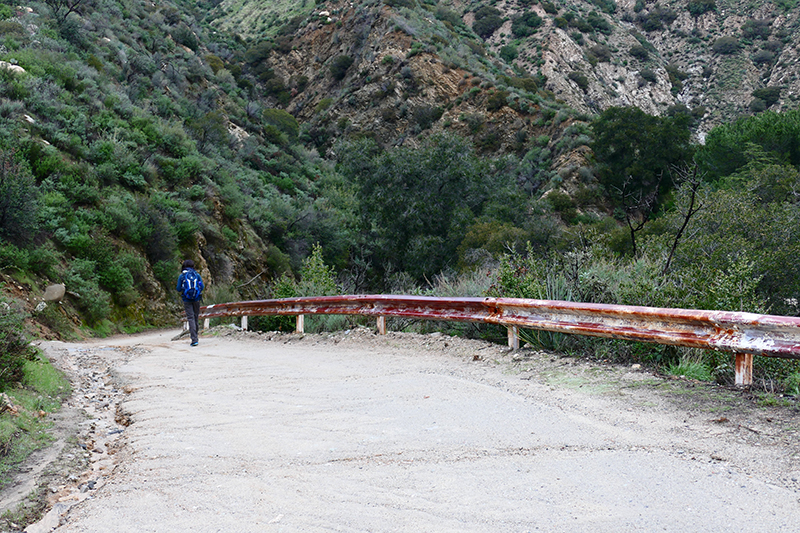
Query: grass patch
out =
(29, 510)
(24, 429)
(690, 369)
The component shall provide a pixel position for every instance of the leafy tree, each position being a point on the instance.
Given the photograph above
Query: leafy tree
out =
(416, 204)
(636, 151)
(777, 134)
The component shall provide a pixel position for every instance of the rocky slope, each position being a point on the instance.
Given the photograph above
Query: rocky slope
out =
(707, 56)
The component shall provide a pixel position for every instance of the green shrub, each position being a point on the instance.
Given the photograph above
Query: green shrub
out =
(580, 79)
(599, 23)
(339, 67)
(525, 24)
(792, 384)
(648, 75)
(184, 35)
(323, 104)
(283, 287)
(14, 346)
(497, 100)
(756, 29)
(81, 281)
(700, 7)
(19, 204)
(770, 95)
(763, 57)
(601, 52)
(12, 257)
(487, 21)
(639, 52)
(283, 121)
(508, 53)
(726, 45)
(425, 116)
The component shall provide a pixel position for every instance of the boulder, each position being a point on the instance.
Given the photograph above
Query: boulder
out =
(54, 293)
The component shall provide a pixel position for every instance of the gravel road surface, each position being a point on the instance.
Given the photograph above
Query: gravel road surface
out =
(356, 432)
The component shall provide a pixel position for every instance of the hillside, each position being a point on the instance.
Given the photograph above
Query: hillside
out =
(399, 139)
(708, 56)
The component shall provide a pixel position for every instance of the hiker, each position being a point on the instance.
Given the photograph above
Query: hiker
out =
(190, 285)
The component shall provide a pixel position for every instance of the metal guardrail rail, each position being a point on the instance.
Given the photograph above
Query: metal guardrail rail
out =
(743, 334)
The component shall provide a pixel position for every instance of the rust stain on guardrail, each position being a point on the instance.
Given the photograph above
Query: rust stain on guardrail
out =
(743, 334)
(765, 335)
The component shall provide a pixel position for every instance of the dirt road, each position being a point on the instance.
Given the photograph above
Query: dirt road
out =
(354, 432)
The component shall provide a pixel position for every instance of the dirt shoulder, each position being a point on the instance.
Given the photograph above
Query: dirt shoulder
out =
(742, 432)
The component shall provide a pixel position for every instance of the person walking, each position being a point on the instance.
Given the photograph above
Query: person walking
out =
(190, 285)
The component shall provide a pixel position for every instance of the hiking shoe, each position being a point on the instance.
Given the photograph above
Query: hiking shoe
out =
(194, 343)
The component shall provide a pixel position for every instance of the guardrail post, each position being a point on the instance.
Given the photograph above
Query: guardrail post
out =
(244, 323)
(381, 325)
(513, 337)
(744, 369)
(206, 323)
(300, 322)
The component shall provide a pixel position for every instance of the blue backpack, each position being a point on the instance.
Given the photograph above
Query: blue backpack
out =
(192, 286)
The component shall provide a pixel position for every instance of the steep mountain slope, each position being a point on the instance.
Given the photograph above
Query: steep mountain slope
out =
(718, 59)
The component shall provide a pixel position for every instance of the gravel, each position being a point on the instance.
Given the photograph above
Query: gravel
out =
(358, 432)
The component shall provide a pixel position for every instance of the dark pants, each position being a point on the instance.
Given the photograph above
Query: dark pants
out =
(192, 313)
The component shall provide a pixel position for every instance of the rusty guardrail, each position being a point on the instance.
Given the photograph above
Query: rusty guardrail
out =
(743, 334)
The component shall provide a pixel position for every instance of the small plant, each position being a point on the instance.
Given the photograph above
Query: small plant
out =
(793, 384)
(690, 369)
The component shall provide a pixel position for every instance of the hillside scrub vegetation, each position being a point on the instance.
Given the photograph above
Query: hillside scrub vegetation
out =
(136, 135)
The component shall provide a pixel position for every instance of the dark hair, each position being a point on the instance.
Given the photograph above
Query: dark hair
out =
(188, 264)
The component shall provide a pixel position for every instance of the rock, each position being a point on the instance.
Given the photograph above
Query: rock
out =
(54, 293)
(16, 69)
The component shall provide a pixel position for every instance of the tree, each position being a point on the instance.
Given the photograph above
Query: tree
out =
(417, 204)
(776, 133)
(689, 187)
(634, 150)
(62, 8)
